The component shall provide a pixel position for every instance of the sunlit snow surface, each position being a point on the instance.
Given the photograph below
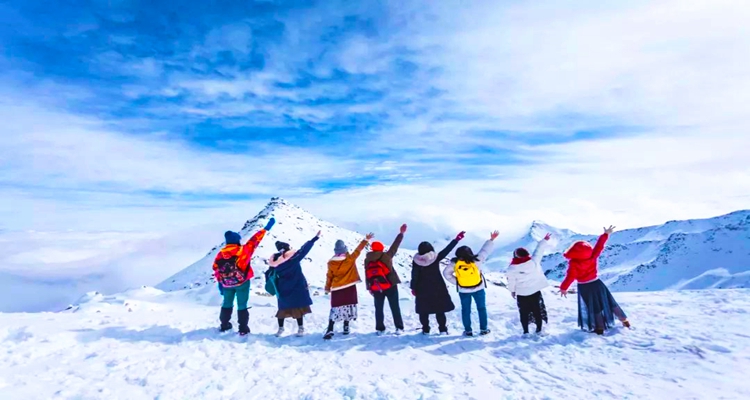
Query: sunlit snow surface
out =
(147, 344)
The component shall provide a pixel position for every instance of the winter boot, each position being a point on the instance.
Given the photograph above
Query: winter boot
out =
(301, 331)
(380, 333)
(626, 323)
(243, 316)
(398, 332)
(328, 335)
(280, 331)
(485, 332)
(346, 328)
(224, 317)
(468, 333)
(425, 330)
(599, 331)
(443, 330)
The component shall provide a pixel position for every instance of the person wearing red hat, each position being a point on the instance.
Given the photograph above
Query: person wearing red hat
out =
(382, 281)
(597, 307)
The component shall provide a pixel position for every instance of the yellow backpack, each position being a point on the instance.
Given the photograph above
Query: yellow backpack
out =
(467, 275)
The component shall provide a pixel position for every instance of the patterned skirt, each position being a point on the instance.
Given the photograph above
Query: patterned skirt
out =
(344, 304)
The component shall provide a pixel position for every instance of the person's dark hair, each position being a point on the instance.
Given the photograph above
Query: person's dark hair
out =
(521, 253)
(465, 254)
(424, 248)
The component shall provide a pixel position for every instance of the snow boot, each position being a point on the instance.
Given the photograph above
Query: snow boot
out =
(485, 332)
(346, 328)
(380, 333)
(243, 316)
(280, 332)
(224, 317)
(599, 332)
(425, 330)
(626, 324)
(399, 332)
(301, 331)
(468, 333)
(444, 330)
(328, 335)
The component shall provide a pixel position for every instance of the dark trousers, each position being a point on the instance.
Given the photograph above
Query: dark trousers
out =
(442, 321)
(530, 305)
(392, 296)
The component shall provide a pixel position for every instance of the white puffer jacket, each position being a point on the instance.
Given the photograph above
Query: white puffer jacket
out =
(528, 278)
(449, 273)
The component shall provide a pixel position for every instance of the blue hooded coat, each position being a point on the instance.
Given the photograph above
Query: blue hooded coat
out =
(291, 285)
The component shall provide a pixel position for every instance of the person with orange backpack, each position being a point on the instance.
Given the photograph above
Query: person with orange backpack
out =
(465, 272)
(428, 285)
(233, 272)
(382, 281)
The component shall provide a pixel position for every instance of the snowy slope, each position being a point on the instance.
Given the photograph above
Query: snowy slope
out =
(148, 344)
(693, 254)
(294, 226)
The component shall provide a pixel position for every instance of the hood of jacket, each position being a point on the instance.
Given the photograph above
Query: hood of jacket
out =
(425, 260)
(289, 254)
(579, 251)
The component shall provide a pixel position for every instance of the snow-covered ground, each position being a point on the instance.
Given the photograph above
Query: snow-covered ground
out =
(148, 344)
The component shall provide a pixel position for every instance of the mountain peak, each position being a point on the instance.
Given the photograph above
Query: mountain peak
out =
(294, 226)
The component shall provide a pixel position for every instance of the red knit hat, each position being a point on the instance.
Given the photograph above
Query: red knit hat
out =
(377, 246)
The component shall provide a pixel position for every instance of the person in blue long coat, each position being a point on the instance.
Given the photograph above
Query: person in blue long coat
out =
(291, 285)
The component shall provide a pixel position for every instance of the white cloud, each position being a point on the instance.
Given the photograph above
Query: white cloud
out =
(57, 150)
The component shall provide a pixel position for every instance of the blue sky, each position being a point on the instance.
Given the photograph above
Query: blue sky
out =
(183, 114)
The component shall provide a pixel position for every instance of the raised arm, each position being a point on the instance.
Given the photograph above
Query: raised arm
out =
(397, 242)
(361, 246)
(302, 252)
(447, 250)
(599, 247)
(254, 242)
(452, 245)
(541, 247)
(486, 250)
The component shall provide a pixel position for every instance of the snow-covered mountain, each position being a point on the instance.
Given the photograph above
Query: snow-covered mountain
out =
(294, 226)
(691, 254)
(561, 238)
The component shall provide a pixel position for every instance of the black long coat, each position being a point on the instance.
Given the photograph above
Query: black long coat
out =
(427, 282)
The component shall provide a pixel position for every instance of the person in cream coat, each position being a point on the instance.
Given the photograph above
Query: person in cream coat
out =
(526, 281)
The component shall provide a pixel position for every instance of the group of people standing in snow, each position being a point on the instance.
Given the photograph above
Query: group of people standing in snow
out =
(285, 279)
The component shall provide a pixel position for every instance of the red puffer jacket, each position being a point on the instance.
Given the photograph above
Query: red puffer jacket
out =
(583, 261)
